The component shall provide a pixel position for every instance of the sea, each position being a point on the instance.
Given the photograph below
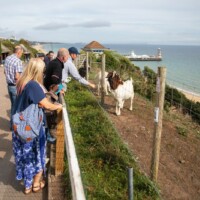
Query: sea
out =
(182, 62)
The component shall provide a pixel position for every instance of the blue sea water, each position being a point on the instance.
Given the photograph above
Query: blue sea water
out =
(182, 62)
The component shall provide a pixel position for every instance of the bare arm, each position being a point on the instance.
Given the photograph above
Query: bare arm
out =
(48, 105)
(17, 76)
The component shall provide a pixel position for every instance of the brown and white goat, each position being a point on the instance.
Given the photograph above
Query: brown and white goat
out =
(120, 90)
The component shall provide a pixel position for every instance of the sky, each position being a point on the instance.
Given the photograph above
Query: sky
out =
(106, 21)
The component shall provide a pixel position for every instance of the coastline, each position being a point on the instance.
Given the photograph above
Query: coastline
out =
(39, 48)
(195, 97)
(190, 95)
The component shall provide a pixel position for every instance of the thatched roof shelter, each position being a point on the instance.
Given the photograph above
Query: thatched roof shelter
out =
(26, 51)
(95, 47)
(4, 49)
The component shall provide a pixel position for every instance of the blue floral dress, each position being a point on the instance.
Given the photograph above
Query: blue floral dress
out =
(30, 157)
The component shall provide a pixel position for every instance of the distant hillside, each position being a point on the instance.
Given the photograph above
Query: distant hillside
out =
(10, 44)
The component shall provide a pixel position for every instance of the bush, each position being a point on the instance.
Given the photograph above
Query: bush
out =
(32, 51)
(173, 97)
(9, 45)
(182, 131)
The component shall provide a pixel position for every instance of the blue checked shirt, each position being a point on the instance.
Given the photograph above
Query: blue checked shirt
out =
(12, 66)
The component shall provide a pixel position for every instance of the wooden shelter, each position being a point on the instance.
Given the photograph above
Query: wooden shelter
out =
(94, 47)
(27, 54)
(4, 52)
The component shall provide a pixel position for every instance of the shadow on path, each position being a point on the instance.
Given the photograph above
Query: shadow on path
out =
(4, 125)
(8, 113)
(7, 166)
(7, 97)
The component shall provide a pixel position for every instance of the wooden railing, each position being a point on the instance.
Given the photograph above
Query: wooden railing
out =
(64, 138)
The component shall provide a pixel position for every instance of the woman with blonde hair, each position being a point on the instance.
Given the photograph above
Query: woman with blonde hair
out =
(30, 156)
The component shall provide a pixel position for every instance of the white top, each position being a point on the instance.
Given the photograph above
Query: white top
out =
(70, 68)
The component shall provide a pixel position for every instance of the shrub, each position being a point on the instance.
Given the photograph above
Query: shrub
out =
(181, 130)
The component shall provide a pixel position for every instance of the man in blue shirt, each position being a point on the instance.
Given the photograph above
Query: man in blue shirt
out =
(13, 68)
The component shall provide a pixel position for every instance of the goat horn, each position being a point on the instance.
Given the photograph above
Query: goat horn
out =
(114, 72)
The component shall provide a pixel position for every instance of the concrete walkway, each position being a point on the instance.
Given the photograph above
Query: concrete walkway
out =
(10, 189)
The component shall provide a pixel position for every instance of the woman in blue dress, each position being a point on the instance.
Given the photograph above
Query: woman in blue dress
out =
(30, 156)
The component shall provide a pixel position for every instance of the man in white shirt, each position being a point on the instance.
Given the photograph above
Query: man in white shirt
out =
(70, 68)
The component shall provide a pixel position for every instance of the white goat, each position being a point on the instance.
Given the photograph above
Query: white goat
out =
(98, 81)
(120, 90)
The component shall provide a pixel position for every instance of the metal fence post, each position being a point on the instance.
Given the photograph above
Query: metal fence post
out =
(130, 183)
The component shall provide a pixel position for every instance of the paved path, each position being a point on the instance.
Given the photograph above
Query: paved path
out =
(10, 189)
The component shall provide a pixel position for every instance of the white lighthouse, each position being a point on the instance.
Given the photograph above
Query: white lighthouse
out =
(159, 54)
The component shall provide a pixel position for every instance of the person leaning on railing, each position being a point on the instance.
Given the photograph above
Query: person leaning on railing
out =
(70, 68)
(30, 157)
(53, 73)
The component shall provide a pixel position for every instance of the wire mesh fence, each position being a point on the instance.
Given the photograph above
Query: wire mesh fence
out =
(176, 99)
(179, 93)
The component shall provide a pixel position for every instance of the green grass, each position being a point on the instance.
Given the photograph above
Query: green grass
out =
(182, 131)
(102, 156)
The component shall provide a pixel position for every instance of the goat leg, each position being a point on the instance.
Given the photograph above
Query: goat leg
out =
(118, 109)
(131, 106)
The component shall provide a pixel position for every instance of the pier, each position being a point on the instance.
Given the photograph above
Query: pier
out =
(134, 57)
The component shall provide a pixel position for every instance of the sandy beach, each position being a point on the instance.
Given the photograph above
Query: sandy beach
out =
(39, 48)
(191, 96)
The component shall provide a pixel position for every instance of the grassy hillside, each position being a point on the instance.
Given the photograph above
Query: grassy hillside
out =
(10, 44)
(103, 157)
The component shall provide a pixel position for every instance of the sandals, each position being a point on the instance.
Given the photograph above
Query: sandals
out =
(39, 187)
(28, 190)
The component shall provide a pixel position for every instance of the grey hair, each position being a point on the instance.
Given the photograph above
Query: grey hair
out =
(62, 52)
(18, 48)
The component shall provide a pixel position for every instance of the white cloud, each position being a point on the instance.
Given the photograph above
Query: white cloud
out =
(50, 26)
(111, 21)
(56, 26)
(93, 24)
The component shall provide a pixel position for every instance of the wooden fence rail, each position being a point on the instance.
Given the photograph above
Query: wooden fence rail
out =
(74, 170)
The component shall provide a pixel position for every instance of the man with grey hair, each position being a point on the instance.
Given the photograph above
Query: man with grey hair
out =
(53, 76)
(13, 68)
(53, 73)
